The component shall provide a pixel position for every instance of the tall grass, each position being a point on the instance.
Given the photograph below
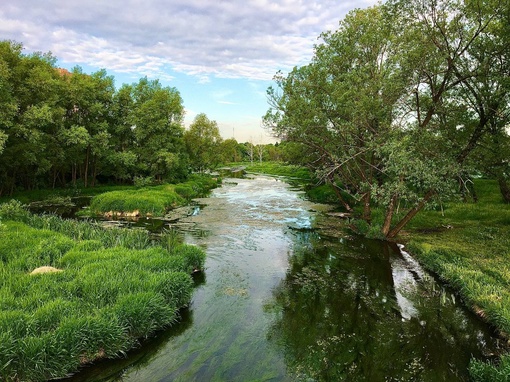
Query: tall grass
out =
(114, 287)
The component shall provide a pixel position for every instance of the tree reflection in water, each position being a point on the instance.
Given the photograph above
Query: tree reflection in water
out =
(357, 310)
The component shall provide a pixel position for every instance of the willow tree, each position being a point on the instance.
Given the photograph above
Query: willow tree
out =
(456, 58)
(341, 106)
(381, 105)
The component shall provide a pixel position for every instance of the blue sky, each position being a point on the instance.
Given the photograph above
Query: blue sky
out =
(220, 54)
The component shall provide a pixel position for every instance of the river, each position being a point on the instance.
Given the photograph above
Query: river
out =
(287, 295)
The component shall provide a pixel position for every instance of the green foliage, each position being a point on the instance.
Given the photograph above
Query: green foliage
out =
(385, 106)
(13, 210)
(322, 194)
(203, 142)
(140, 181)
(58, 126)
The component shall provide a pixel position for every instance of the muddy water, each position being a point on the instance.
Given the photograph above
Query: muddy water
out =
(288, 296)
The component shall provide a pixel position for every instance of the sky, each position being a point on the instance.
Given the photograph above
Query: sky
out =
(221, 55)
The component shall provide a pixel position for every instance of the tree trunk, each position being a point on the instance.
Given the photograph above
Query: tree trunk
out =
(504, 188)
(367, 212)
(73, 174)
(412, 212)
(339, 196)
(94, 173)
(86, 175)
(55, 174)
(389, 214)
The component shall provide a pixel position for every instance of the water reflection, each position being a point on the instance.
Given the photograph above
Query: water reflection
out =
(361, 311)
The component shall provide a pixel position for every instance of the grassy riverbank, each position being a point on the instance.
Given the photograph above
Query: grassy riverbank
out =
(108, 289)
(155, 200)
(279, 169)
(468, 246)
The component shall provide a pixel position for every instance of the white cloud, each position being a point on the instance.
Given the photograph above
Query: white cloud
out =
(230, 39)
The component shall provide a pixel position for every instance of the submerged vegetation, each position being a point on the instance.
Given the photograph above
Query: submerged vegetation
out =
(103, 290)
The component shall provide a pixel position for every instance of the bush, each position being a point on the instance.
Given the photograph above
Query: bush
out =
(13, 210)
(140, 181)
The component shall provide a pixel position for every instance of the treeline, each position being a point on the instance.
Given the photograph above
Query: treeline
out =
(403, 105)
(61, 128)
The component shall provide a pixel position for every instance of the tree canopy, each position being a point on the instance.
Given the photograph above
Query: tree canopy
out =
(398, 101)
(60, 127)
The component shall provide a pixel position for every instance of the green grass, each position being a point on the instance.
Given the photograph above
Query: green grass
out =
(468, 246)
(155, 201)
(59, 193)
(278, 168)
(106, 297)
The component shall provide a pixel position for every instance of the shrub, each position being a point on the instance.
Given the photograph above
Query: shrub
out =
(13, 210)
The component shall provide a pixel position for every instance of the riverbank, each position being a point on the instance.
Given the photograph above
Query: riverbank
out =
(468, 245)
(151, 201)
(72, 291)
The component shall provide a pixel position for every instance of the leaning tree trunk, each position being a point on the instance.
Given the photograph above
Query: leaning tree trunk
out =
(411, 214)
(504, 188)
(389, 214)
(339, 195)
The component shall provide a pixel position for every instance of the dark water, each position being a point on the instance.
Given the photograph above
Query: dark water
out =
(289, 296)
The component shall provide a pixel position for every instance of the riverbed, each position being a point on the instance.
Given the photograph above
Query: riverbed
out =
(289, 295)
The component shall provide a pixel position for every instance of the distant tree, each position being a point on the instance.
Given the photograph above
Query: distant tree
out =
(231, 151)
(203, 143)
(156, 119)
(89, 104)
(30, 115)
(260, 149)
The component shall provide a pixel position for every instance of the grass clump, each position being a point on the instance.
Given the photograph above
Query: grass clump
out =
(154, 201)
(146, 201)
(483, 372)
(107, 295)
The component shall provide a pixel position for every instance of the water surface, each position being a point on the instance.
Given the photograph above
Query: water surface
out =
(287, 295)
